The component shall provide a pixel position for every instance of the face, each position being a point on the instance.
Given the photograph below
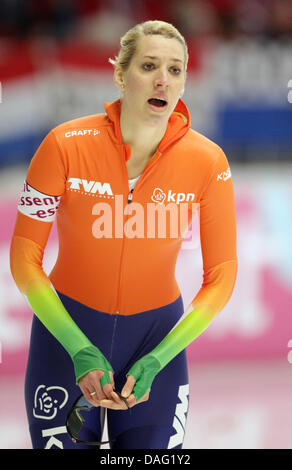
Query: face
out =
(155, 78)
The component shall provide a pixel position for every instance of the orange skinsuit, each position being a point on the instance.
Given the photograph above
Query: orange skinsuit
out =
(81, 164)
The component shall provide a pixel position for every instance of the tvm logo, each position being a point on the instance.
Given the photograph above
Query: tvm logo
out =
(179, 422)
(78, 184)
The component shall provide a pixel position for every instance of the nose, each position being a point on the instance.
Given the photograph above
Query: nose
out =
(162, 78)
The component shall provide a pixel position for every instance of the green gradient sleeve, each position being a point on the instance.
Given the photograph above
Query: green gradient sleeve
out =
(213, 295)
(51, 312)
(146, 368)
(181, 336)
(26, 267)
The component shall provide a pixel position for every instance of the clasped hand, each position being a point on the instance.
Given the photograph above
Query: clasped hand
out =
(105, 396)
(136, 389)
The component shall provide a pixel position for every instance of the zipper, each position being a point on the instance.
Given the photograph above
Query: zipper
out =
(130, 199)
(130, 196)
(113, 339)
(146, 170)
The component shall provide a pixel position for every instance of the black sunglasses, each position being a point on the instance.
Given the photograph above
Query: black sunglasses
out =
(75, 421)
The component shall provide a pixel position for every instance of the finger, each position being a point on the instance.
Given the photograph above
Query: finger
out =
(88, 394)
(94, 388)
(132, 400)
(107, 387)
(115, 397)
(90, 383)
(112, 405)
(144, 398)
(105, 378)
(128, 387)
(112, 378)
(107, 390)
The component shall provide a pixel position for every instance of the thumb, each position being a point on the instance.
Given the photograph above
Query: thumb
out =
(128, 387)
(112, 378)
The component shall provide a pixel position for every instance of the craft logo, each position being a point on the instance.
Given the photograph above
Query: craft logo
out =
(82, 132)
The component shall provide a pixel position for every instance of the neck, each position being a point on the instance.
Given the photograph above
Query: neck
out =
(144, 136)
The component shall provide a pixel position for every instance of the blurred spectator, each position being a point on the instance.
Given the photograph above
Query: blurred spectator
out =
(107, 24)
(253, 17)
(282, 18)
(23, 19)
(16, 18)
(193, 17)
(106, 21)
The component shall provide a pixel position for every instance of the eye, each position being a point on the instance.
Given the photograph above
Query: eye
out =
(148, 66)
(175, 70)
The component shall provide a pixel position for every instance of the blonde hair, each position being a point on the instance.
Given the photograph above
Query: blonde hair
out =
(129, 41)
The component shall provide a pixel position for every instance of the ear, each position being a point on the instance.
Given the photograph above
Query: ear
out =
(119, 78)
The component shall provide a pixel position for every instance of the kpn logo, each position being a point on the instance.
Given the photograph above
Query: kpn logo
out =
(159, 196)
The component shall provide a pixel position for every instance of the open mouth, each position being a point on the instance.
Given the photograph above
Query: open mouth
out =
(157, 103)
